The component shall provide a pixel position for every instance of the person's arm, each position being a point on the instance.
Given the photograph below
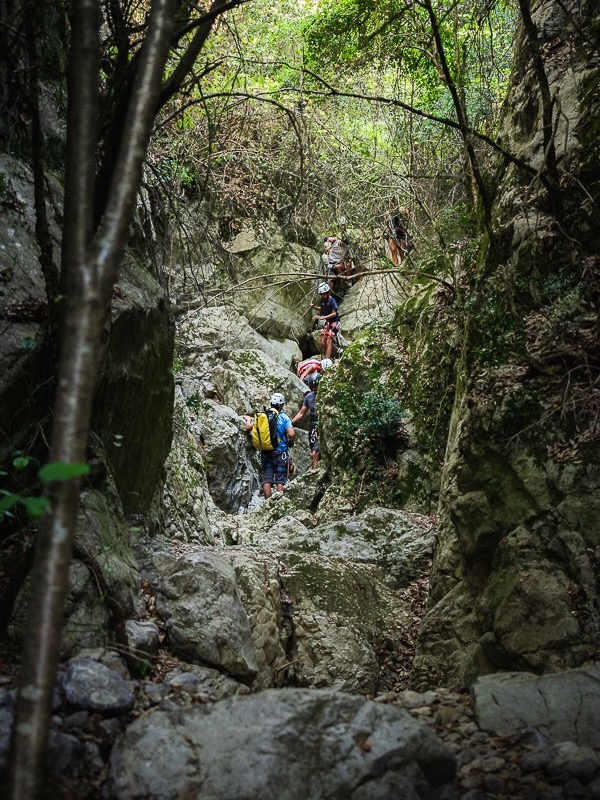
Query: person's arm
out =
(299, 415)
(291, 435)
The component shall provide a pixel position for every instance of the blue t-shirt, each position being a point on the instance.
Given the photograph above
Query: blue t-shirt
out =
(327, 307)
(283, 423)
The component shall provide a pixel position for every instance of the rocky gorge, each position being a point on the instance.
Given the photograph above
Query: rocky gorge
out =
(392, 625)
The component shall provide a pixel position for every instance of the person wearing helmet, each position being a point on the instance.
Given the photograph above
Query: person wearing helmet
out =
(328, 312)
(326, 363)
(276, 463)
(309, 404)
(310, 366)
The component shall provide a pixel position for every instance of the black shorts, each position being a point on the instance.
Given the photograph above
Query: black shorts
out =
(275, 466)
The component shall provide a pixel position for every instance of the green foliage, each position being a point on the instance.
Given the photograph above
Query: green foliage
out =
(518, 410)
(62, 471)
(34, 505)
(196, 402)
(368, 424)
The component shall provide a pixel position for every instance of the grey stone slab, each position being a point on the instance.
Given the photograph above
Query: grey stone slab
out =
(564, 706)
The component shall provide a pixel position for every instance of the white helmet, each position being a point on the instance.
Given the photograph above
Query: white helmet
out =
(277, 399)
(323, 287)
(326, 363)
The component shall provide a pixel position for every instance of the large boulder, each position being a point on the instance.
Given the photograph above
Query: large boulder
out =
(210, 329)
(133, 405)
(290, 744)
(198, 599)
(339, 605)
(563, 707)
(276, 280)
(372, 300)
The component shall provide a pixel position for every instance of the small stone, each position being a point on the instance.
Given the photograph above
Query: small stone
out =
(573, 788)
(493, 784)
(533, 737)
(446, 714)
(422, 711)
(466, 756)
(513, 770)
(474, 794)
(492, 763)
(77, 720)
(467, 728)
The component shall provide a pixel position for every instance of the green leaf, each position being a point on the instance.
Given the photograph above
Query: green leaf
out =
(36, 506)
(20, 462)
(8, 502)
(62, 471)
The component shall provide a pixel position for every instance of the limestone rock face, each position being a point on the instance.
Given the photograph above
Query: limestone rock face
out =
(227, 370)
(205, 619)
(23, 367)
(277, 298)
(135, 385)
(333, 745)
(514, 584)
(334, 603)
(132, 410)
(370, 301)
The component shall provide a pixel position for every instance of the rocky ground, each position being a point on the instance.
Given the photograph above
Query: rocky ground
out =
(523, 767)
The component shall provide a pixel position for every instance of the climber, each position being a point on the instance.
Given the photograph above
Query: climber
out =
(328, 312)
(276, 463)
(336, 250)
(308, 367)
(397, 239)
(312, 366)
(309, 404)
(339, 279)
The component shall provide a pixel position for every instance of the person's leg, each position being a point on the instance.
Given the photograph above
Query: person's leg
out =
(402, 250)
(314, 458)
(393, 251)
(323, 347)
(281, 461)
(313, 440)
(266, 459)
